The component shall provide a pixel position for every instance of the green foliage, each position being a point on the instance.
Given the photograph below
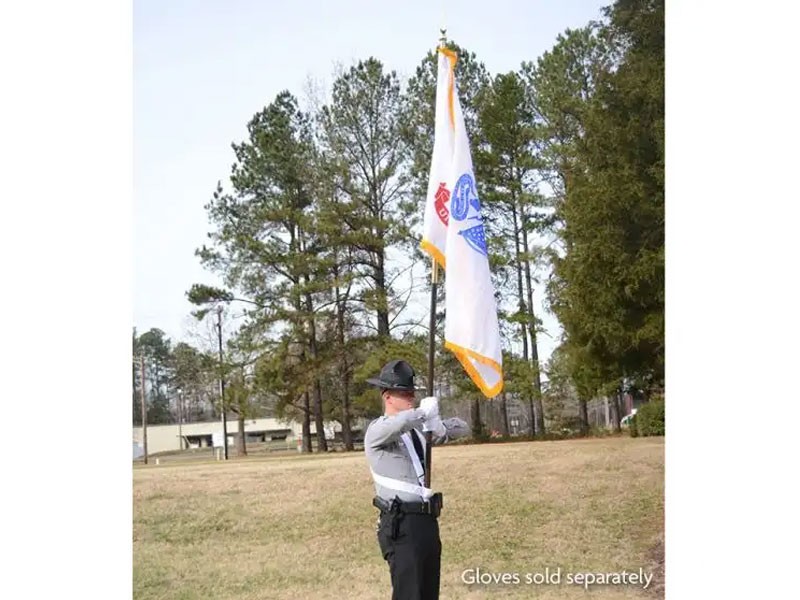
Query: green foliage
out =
(154, 345)
(361, 142)
(650, 418)
(158, 411)
(520, 377)
(508, 154)
(262, 245)
(378, 353)
(608, 284)
(179, 380)
(156, 348)
(282, 374)
(633, 428)
(559, 86)
(194, 381)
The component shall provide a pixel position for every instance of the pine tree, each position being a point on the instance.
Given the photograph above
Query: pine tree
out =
(360, 139)
(265, 244)
(512, 176)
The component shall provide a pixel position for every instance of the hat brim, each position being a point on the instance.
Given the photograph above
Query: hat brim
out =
(388, 386)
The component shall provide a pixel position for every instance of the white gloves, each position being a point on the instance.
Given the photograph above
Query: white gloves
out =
(429, 407)
(435, 425)
(432, 422)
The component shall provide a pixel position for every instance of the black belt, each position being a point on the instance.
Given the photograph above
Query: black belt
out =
(431, 507)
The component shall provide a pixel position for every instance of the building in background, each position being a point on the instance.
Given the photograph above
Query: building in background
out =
(166, 438)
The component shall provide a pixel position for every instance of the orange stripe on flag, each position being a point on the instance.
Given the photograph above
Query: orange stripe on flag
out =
(451, 86)
(434, 252)
(463, 355)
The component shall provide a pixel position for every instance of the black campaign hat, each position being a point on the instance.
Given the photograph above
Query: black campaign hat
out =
(395, 375)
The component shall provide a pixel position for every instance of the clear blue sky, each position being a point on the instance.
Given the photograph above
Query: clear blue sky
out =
(202, 68)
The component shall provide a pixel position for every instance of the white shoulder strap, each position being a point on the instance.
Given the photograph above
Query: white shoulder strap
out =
(402, 486)
(406, 437)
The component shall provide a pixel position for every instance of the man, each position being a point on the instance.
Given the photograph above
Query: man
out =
(408, 530)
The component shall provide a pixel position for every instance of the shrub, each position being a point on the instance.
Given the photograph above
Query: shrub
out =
(632, 428)
(650, 418)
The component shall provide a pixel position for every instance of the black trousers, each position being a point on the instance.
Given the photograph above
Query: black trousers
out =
(410, 544)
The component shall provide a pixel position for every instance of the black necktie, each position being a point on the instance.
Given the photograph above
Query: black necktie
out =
(418, 447)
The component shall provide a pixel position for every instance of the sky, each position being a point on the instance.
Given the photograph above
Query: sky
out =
(202, 68)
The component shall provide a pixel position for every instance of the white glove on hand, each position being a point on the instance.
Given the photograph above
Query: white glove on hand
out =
(432, 421)
(429, 407)
(435, 425)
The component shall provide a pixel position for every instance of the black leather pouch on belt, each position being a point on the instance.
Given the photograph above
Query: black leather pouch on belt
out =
(437, 502)
(397, 516)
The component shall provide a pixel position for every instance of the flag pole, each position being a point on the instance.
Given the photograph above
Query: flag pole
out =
(432, 335)
(431, 350)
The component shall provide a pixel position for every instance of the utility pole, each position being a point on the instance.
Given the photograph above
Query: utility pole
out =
(222, 384)
(144, 411)
(180, 418)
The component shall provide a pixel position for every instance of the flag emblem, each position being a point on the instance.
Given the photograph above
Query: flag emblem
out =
(442, 196)
(476, 238)
(465, 196)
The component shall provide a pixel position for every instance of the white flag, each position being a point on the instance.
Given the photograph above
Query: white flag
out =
(454, 235)
(434, 227)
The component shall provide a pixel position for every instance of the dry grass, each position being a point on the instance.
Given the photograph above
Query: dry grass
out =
(303, 527)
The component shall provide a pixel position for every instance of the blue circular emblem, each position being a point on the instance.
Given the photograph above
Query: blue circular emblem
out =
(464, 195)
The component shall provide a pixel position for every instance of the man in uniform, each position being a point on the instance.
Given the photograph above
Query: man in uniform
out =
(408, 530)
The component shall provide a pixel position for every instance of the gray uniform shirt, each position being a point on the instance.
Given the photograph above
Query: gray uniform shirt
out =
(388, 456)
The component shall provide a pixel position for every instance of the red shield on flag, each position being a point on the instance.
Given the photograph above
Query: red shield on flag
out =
(442, 196)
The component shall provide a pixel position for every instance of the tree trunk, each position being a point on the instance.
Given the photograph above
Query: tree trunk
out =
(154, 392)
(504, 414)
(532, 329)
(319, 422)
(520, 291)
(382, 297)
(491, 416)
(322, 444)
(615, 418)
(477, 426)
(306, 424)
(533, 416)
(241, 444)
(584, 415)
(137, 405)
(521, 299)
(347, 434)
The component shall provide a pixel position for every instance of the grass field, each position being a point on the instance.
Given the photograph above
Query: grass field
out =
(303, 527)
